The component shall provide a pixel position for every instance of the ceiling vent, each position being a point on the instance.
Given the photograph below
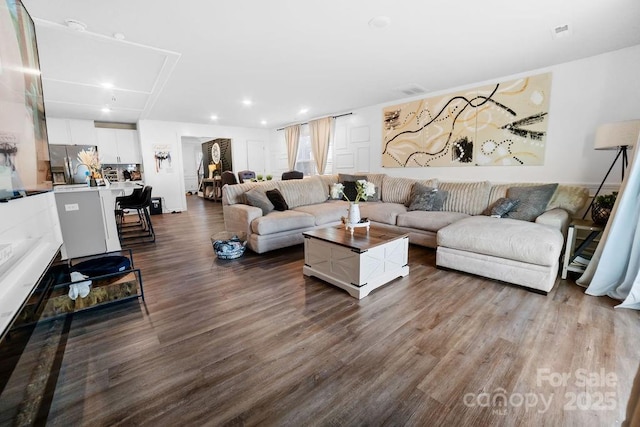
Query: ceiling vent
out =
(412, 89)
(561, 31)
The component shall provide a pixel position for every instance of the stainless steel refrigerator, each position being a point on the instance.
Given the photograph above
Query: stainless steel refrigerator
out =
(65, 165)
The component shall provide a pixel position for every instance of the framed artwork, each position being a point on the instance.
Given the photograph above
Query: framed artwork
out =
(493, 125)
(24, 151)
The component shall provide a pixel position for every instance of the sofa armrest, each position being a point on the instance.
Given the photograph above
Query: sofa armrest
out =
(557, 218)
(238, 217)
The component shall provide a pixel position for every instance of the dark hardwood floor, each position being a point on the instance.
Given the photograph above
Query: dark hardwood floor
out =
(254, 342)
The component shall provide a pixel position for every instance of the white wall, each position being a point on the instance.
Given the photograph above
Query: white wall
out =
(584, 94)
(169, 184)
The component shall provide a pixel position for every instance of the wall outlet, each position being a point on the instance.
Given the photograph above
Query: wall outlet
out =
(71, 207)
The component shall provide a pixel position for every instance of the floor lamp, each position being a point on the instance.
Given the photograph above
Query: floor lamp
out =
(615, 136)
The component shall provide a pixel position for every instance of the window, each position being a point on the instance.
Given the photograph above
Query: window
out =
(305, 162)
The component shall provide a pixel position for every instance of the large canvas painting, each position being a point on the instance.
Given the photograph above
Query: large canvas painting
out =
(24, 152)
(493, 125)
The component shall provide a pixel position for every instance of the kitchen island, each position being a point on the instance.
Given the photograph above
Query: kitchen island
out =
(87, 218)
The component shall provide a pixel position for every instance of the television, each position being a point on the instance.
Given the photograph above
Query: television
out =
(24, 150)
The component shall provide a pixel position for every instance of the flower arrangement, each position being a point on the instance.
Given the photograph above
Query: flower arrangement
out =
(364, 190)
(90, 159)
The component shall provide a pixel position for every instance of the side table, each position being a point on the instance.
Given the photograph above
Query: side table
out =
(571, 252)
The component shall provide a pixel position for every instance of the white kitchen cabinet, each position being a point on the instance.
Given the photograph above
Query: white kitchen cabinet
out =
(118, 146)
(71, 132)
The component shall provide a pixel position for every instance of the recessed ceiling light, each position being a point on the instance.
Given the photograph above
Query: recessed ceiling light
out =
(106, 110)
(107, 85)
(380, 22)
(118, 36)
(263, 122)
(75, 24)
(247, 102)
(303, 111)
(214, 117)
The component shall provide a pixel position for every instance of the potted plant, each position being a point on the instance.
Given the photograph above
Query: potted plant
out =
(259, 177)
(602, 207)
(269, 177)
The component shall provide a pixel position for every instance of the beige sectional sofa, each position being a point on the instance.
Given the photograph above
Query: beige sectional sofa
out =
(511, 250)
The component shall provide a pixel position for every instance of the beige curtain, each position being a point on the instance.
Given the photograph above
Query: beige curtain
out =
(321, 131)
(292, 137)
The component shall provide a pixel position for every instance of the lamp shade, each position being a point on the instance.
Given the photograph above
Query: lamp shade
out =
(610, 136)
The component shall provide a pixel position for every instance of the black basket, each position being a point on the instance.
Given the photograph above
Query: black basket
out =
(600, 215)
(229, 245)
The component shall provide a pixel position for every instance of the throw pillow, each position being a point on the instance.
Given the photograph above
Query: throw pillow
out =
(533, 201)
(425, 198)
(351, 191)
(258, 198)
(276, 197)
(501, 207)
(342, 177)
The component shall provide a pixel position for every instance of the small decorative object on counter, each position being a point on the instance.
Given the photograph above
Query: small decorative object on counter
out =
(602, 206)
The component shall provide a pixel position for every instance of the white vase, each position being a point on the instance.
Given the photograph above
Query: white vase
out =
(354, 213)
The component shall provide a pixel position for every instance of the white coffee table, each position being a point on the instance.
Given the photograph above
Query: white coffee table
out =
(358, 262)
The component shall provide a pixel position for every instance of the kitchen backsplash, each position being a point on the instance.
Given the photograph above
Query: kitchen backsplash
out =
(123, 172)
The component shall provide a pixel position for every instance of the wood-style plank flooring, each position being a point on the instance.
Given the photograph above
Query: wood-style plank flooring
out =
(254, 342)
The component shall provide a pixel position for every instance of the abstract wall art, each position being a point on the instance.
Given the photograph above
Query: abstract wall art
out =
(503, 124)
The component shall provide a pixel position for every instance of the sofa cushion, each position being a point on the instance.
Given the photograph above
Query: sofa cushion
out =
(343, 177)
(383, 212)
(570, 198)
(501, 207)
(504, 238)
(396, 190)
(257, 197)
(466, 197)
(302, 192)
(428, 220)
(233, 194)
(326, 213)
(328, 181)
(278, 221)
(426, 198)
(533, 201)
(377, 179)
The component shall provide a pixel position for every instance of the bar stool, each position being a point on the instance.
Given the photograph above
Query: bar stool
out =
(143, 228)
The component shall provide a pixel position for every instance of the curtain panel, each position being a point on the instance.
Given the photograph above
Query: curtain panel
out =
(321, 131)
(614, 269)
(292, 138)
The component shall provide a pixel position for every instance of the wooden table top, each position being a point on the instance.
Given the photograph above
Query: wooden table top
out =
(360, 241)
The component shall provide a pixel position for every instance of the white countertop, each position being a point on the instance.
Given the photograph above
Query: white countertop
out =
(117, 186)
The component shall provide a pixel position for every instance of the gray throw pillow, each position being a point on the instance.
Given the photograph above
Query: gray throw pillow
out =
(533, 201)
(501, 207)
(342, 177)
(425, 198)
(258, 198)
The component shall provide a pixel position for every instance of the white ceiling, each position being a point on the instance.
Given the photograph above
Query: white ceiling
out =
(184, 61)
